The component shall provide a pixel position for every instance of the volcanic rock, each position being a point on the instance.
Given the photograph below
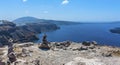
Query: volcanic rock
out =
(45, 44)
(24, 33)
(12, 57)
(64, 57)
(86, 43)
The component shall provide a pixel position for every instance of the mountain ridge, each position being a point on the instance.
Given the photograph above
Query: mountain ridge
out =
(29, 19)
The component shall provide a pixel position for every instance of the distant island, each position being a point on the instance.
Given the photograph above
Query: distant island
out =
(115, 30)
(28, 19)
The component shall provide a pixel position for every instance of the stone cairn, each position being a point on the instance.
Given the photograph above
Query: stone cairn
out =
(11, 54)
(45, 45)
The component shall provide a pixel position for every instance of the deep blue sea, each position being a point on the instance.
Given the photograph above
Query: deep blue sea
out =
(86, 32)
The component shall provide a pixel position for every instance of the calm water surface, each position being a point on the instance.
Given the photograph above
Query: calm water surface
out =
(86, 32)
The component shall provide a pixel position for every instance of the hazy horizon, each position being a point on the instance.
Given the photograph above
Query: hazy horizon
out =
(67, 10)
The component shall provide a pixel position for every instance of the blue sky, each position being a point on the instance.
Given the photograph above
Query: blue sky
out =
(71, 10)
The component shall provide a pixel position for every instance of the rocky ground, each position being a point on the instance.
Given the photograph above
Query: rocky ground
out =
(61, 53)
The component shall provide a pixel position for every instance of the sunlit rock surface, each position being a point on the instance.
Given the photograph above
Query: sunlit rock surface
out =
(60, 54)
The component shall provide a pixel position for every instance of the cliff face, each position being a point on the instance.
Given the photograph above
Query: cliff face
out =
(9, 32)
(42, 26)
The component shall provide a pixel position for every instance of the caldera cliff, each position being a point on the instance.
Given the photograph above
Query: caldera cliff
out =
(10, 33)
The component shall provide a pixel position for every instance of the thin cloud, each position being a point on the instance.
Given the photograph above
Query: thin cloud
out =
(45, 12)
(27, 12)
(65, 2)
(24, 0)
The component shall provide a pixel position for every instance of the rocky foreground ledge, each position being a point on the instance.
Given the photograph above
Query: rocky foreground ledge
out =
(60, 53)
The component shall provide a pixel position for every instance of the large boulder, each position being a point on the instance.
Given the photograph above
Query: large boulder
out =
(107, 54)
(94, 43)
(116, 52)
(86, 43)
(36, 62)
(44, 46)
(83, 48)
(61, 45)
